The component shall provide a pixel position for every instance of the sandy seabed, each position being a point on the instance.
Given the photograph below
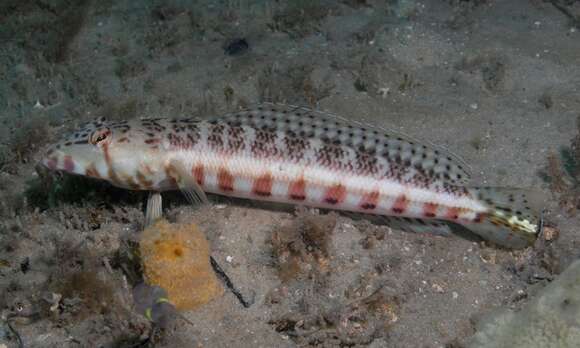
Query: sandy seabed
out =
(496, 82)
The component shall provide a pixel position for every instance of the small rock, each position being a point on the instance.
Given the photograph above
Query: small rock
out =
(552, 319)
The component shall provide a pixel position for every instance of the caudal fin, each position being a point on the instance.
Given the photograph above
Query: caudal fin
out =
(514, 219)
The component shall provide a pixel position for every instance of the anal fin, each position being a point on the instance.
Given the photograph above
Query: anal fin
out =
(417, 225)
(406, 224)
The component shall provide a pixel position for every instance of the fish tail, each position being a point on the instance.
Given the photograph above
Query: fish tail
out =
(513, 219)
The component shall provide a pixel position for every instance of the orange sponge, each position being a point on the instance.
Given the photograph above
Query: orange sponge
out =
(176, 258)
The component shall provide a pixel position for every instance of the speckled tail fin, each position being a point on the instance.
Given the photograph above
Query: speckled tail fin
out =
(514, 219)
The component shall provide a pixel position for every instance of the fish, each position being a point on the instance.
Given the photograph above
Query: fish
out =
(296, 155)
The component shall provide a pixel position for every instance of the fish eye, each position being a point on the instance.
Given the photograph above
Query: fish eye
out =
(100, 135)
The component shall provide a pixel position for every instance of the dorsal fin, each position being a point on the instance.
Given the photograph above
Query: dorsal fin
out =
(438, 162)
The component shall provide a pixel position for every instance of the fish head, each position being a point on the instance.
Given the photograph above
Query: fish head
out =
(110, 151)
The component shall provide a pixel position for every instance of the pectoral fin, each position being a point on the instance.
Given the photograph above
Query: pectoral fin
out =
(187, 184)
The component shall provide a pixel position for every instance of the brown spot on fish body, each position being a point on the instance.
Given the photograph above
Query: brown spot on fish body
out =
(68, 164)
(199, 174)
(236, 142)
(192, 140)
(225, 180)
(401, 204)
(147, 170)
(330, 156)
(123, 140)
(110, 172)
(214, 139)
(152, 141)
(177, 141)
(107, 156)
(295, 148)
(263, 185)
(430, 210)
(147, 184)
(297, 190)
(370, 200)
(131, 183)
(335, 194)
(92, 171)
(51, 163)
(368, 206)
(264, 144)
(113, 177)
(452, 213)
(172, 176)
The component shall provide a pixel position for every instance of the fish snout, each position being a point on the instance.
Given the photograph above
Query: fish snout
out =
(57, 161)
